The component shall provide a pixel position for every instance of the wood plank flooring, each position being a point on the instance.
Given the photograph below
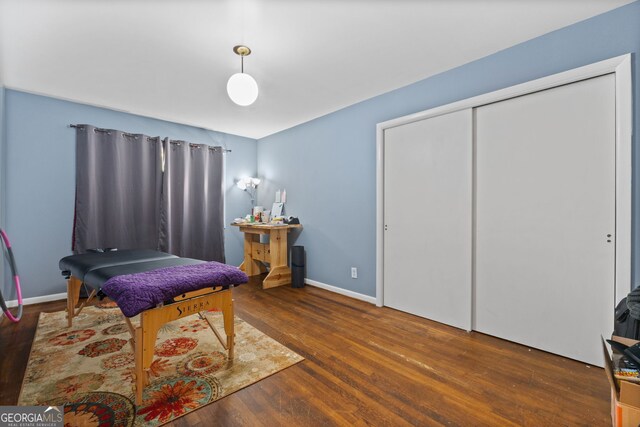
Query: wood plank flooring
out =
(373, 366)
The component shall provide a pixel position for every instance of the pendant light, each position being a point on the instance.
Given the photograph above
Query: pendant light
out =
(241, 87)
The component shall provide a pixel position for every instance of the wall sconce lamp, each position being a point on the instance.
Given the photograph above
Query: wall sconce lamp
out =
(249, 185)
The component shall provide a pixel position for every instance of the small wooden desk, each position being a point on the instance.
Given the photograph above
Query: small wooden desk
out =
(274, 252)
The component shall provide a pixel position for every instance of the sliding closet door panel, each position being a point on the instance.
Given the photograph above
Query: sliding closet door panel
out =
(545, 218)
(427, 214)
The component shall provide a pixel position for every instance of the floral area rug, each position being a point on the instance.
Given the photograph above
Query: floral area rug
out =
(89, 367)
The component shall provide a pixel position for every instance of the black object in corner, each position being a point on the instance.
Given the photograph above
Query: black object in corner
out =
(297, 266)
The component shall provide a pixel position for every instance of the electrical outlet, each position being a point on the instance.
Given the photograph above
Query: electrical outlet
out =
(354, 273)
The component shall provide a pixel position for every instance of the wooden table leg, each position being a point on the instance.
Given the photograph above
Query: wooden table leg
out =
(140, 379)
(280, 273)
(73, 296)
(229, 328)
(145, 343)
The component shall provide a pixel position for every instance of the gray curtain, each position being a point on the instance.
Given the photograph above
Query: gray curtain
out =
(118, 182)
(192, 203)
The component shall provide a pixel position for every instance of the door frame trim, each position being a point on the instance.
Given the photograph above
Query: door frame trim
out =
(621, 67)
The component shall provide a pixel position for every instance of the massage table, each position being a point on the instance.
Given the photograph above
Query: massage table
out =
(159, 287)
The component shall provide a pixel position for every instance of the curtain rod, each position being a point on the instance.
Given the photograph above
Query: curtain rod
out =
(224, 150)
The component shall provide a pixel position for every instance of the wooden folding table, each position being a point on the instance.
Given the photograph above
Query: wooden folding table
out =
(274, 253)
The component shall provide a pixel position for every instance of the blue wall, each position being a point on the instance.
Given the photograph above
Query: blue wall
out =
(328, 165)
(40, 179)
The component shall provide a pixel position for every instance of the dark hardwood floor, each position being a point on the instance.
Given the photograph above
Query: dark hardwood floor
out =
(373, 366)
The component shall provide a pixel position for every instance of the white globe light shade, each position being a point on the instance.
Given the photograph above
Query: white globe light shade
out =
(242, 89)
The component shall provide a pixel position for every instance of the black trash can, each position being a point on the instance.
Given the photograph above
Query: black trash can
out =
(297, 266)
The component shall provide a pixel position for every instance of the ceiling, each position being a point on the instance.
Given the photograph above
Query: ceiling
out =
(170, 59)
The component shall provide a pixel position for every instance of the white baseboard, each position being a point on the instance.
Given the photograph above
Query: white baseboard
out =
(350, 294)
(63, 295)
(37, 300)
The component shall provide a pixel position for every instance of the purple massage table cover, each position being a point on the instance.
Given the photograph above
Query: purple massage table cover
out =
(135, 293)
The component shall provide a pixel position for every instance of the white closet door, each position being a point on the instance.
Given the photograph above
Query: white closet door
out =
(428, 218)
(546, 218)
